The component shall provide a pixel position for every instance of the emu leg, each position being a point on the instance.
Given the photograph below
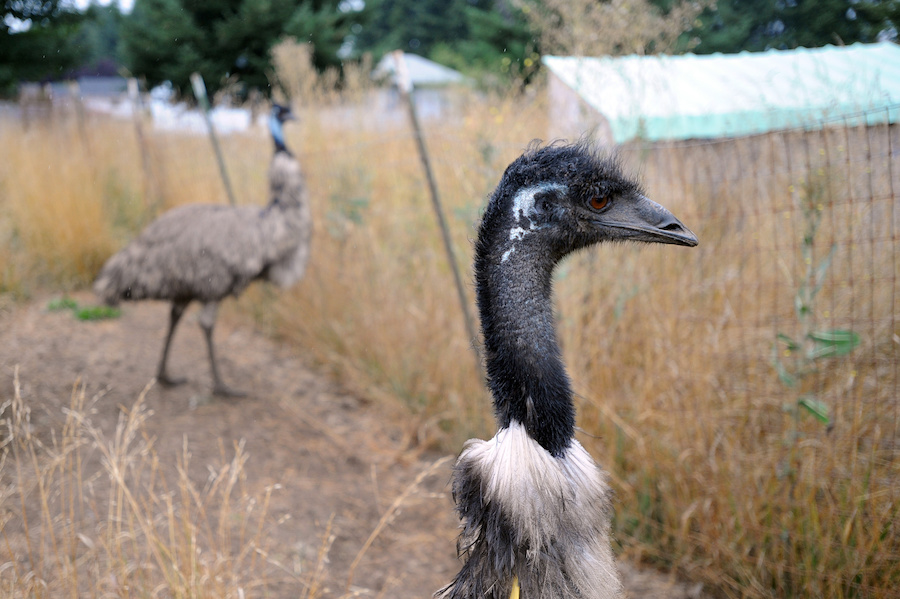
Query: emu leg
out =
(208, 322)
(162, 376)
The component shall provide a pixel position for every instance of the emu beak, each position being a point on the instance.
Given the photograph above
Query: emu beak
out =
(647, 221)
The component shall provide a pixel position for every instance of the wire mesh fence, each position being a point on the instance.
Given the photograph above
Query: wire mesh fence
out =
(794, 201)
(799, 242)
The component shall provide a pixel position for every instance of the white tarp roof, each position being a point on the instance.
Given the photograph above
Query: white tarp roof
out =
(727, 95)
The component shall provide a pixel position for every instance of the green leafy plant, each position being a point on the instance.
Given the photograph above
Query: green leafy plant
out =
(96, 312)
(61, 303)
(795, 358)
(82, 312)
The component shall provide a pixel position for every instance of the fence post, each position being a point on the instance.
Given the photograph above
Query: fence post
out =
(151, 193)
(80, 117)
(405, 85)
(200, 92)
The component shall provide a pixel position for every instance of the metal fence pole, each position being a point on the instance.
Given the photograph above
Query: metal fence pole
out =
(152, 196)
(405, 85)
(200, 92)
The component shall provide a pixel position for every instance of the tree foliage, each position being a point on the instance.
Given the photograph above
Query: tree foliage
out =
(228, 40)
(473, 36)
(499, 46)
(755, 25)
(35, 40)
(413, 25)
(99, 37)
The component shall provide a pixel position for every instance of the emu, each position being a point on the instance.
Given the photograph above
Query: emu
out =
(207, 252)
(534, 506)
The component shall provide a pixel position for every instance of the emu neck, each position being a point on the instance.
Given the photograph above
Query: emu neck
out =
(277, 135)
(525, 372)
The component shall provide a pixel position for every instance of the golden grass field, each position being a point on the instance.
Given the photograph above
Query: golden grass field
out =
(719, 474)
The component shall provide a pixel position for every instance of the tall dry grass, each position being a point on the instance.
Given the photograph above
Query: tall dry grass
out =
(88, 515)
(717, 474)
(71, 195)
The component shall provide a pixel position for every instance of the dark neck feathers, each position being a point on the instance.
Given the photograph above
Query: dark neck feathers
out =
(513, 274)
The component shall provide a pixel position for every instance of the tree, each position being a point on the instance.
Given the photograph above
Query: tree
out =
(35, 41)
(99, 35)
(412, 25)
(477, 37)
(755, 25)
(499, 45)
(228, 40)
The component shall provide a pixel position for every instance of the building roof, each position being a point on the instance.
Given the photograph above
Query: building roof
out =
(423, 72)
(728, 95)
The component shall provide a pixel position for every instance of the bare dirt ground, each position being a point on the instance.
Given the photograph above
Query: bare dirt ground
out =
(337, 457)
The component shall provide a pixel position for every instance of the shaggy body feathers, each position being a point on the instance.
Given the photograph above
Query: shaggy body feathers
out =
(533, 504)
(206, 253)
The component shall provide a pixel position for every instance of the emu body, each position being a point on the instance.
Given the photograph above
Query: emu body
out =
(205, 253)
(535, 508)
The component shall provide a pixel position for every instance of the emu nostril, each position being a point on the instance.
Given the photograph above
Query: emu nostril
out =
(678, 233)
(673, 227)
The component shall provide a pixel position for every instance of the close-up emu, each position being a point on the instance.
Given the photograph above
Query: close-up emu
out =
(207, 252)
(535, 508)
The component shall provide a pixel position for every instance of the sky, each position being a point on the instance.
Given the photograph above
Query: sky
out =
(124, 5)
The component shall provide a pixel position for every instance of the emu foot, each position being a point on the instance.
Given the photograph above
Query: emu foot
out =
(223, 390)
(166, 381)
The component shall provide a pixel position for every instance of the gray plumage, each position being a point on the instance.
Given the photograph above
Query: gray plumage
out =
(534, 506)
(206, 253)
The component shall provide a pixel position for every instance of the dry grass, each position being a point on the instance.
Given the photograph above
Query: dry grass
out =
(670, 349)
(86, 515)
(673, 353)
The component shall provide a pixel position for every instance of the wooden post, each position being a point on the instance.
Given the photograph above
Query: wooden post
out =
(151, 195)
(405, 85)
(80, 118)
(200, 92)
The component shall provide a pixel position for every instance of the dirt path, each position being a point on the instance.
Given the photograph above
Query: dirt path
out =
(336, 457)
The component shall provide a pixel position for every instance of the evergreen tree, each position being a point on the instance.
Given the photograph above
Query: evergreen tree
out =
(412, 25)
(755, 25)
(99, 35)
(228, 40)
(35, 40)
(161, 42)
(473, 36)
(499, 43)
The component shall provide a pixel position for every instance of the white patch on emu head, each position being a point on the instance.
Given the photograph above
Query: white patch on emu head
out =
(517, 233)
(523, 206)
(523, 202)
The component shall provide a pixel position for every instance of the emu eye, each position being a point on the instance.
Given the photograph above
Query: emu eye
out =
(599, 202)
